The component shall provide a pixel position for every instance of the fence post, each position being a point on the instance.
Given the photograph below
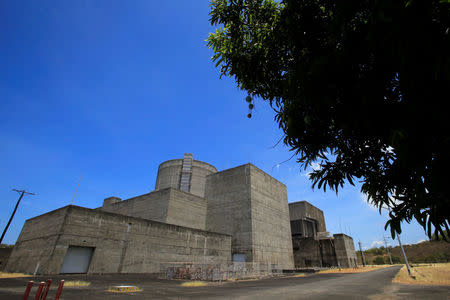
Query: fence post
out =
(28, 290)
(47, 288)
(60, 287)
(39, 291)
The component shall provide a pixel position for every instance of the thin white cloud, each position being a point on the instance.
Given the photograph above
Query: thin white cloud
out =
(316, 166)
(420, 241)
(370, 205)
(376, 244)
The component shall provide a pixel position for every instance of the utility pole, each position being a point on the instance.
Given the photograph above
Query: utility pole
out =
(362, 254)
(404, 255)
(22, 192)
(387, 248)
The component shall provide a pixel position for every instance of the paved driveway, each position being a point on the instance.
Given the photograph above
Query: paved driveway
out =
(372, 285)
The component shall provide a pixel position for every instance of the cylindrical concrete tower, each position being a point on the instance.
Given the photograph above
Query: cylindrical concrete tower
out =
(186, 174)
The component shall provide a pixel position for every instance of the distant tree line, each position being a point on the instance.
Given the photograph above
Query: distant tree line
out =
(379, 256)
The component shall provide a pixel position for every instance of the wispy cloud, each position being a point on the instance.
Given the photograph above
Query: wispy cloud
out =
(369, 204)
(316, 166)
(376, 244)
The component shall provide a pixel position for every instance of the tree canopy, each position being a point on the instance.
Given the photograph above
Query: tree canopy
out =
(358, 86)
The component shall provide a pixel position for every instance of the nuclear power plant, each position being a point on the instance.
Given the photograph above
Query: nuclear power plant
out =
(197, 219)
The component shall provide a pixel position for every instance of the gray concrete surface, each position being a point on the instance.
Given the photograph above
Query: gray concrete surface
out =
(374, 285)
(168, 205)
(303, 209)
(243, 217)
(252, 206)
(122, 244)
(170, 173)
(345, 250)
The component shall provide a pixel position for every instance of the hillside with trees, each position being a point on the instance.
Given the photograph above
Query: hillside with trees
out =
(424, 252)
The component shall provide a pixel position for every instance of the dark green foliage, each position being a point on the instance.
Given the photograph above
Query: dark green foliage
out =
(395, 259)
(6, 246)
(379, 260)
(435, 258)
(375, 251)
(439, 237)
(358, 86)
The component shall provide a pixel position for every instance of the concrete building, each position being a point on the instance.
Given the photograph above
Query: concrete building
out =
(313, 247)
(234, 219)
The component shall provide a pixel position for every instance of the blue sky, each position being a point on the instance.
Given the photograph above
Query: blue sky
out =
(110, 89)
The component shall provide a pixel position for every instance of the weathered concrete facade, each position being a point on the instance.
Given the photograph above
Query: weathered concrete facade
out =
(186, 174)
(236, 221)
(313, 247)
(302, 210)
(252, 207)
(121, 244)
(168, 205)
(345, 250)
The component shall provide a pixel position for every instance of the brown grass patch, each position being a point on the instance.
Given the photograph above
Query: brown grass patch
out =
(426, 274)
(355, 270)
(124, 289)
(194, 283)
(76, 283)
(13, 275)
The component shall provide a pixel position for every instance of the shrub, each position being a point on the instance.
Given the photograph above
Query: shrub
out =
(379, 260)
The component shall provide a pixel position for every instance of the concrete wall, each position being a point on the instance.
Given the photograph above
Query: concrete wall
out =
(198, 178)
(169, 174)
(153, 206)
(187, 210)
(229, 207)
(306, 252)
(168, 205)
(251, 206)
(122, 244)
(303, 209)
(345, 250)
(271, 235)
(37, 244)
(309, 252)
(4, 255)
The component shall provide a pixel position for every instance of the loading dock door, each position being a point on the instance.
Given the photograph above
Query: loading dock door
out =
(238, 257)
(77, 259)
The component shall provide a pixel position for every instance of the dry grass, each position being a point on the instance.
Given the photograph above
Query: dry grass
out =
(427, 274)
(299, 275)
(124, 289)
(194, 283)
(355, 270)
(75, 283)
(13, 275)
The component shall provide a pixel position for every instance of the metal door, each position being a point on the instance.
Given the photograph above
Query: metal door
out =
(77, 259)
(238, 257)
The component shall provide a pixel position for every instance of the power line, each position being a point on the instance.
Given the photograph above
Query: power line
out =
(22, 192)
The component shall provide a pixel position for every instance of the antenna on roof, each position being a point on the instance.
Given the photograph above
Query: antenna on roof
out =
(73, 198)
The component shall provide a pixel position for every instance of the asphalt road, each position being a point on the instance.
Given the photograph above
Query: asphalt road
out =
(372, 285)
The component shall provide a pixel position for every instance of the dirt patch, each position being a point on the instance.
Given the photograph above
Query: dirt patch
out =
(425, 274)
(355, 270)
(75, 283)
(13, 275)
